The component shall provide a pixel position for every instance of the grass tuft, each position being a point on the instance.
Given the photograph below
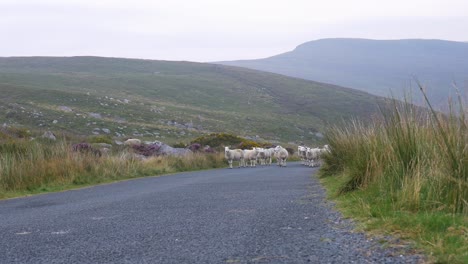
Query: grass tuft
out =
(406, 173)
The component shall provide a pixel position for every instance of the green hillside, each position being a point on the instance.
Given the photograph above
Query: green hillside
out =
(170, 101)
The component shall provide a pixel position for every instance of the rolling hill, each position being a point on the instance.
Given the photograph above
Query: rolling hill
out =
(379, 67)
(170, 101)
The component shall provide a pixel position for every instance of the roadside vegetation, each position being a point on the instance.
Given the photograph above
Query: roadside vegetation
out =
(42, 165)
(405, 173)
(30, 164)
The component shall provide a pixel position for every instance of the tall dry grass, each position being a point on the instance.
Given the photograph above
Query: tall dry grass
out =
(32, 165)
(417, 158)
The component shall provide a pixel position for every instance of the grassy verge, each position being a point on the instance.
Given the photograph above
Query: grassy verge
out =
(405, 174)
(32, 167)
(441, 236)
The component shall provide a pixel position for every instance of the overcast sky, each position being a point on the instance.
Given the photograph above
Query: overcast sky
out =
(213, 30)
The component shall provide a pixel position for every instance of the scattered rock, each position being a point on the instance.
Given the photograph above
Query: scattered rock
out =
(105, 130)
(55, 122)
(132, 142)
(105, 151)
(165, 149)
(95, 115)
(49, 135)
(65, 108)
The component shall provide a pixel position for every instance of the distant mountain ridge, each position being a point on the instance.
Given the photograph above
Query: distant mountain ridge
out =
(170, 101)
(379, 67)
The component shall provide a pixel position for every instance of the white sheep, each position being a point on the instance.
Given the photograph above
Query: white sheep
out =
(301, 151)
(132, 142)
(313, 155)
(234, 154)
(326, 149)
(269, 152)
(281, 156)
(250, 155)
(261, 155)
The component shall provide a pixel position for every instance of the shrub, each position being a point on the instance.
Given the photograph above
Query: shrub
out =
(220, 140)
(16, 132)
(248, 144)
(100, 139)
(195, 147)
(290, 150)
(147, 150)
(179, 145)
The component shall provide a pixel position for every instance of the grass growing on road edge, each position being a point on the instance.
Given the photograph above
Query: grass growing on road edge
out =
(442, 236)
(405, 174)
(31, 167)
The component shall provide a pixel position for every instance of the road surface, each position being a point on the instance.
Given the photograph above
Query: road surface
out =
(249, 215)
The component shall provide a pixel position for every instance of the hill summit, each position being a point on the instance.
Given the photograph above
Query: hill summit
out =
(381, 67)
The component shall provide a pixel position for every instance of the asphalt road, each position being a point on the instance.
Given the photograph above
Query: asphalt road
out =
(258, 215)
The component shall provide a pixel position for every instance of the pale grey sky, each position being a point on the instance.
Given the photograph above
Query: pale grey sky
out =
(213, 30)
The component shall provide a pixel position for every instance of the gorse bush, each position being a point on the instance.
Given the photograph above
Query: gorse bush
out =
(100, 139)
(220, 140)
(418, 159)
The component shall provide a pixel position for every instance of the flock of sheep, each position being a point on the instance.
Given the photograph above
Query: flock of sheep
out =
(311, 156)
(262, 156)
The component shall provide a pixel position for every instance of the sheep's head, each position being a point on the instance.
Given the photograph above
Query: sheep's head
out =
(278, 148)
